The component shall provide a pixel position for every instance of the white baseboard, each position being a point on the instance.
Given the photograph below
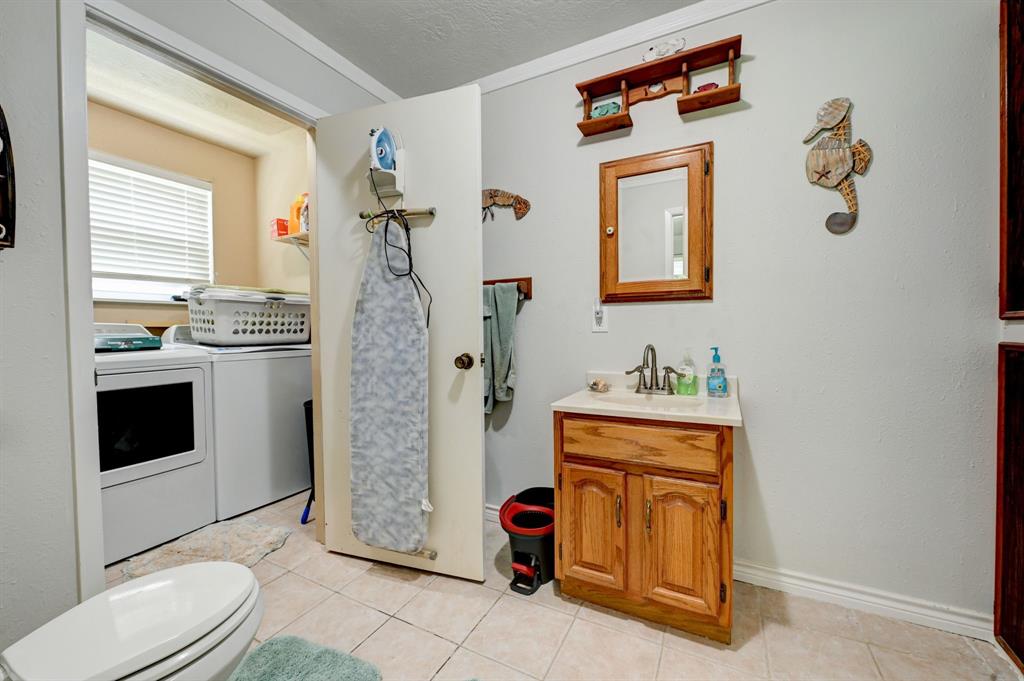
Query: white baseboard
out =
(930, 614)
(957, 620)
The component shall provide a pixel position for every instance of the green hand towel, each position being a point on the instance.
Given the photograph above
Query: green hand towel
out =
(295, 659)
(501, 302)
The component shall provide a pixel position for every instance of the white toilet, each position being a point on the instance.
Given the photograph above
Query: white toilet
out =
(193, 622)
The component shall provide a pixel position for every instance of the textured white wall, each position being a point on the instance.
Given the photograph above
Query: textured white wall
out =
(867, 362)
(38, 577)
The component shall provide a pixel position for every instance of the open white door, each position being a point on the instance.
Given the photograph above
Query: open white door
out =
(441, 137)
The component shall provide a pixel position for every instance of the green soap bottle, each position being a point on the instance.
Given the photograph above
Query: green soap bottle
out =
(686, 381)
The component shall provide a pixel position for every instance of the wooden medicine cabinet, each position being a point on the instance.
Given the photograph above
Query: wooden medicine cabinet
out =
(656, 226)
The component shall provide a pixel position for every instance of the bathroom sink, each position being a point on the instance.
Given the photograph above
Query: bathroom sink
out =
(659, 402)
(624, 403)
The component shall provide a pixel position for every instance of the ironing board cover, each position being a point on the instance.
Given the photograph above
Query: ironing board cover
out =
(389, 403)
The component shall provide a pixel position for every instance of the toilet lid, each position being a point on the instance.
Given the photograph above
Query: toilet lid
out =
(133, 625)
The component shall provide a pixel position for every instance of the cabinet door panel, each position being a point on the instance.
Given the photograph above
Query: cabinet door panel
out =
(593, 524)
(682, 551)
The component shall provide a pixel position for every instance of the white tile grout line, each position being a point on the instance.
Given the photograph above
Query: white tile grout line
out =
(493, 605)
(558, 651)
(874, 661)
(661, 654)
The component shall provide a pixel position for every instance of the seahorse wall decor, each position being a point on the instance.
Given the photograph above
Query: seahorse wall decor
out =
(503, 199)
(831, 160)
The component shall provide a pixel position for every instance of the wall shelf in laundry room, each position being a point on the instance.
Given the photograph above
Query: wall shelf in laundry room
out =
(300, 241)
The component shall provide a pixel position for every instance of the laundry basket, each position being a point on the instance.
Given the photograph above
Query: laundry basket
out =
(223, 316)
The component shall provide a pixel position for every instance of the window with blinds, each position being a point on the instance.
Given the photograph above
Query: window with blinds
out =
(152, 231)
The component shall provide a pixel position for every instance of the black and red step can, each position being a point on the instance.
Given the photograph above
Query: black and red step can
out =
(529, 519)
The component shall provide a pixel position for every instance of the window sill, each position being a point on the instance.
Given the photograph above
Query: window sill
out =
(140, 301)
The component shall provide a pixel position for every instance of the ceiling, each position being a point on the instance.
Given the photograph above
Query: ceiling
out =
(126, 79)
(428, 45)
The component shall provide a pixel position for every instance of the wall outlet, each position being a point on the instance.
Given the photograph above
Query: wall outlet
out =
(600, 318)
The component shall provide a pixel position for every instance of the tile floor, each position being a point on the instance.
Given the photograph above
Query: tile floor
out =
(414, 625)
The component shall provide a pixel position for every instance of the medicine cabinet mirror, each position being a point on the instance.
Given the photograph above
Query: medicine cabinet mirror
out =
(656, 226)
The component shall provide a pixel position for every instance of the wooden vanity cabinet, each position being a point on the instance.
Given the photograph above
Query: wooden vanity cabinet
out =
(642, 518)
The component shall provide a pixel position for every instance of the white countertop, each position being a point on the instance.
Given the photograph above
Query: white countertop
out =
(622, 402)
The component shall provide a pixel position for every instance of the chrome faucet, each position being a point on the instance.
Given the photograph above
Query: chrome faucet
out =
(651, 386)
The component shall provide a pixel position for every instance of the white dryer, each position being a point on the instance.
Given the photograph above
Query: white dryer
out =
(259, 421)
(154, 411)
(260, 426)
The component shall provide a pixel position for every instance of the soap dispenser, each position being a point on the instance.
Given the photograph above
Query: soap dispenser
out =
(718, 384)
(686, 376)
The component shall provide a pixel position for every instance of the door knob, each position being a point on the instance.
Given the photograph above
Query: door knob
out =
(464, 361)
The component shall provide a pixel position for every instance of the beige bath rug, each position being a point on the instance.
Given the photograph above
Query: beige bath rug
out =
(243, 541)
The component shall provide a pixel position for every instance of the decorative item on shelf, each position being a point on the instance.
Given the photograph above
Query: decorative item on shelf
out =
(503, 199)
(606, 109)
(598, 385)
(832, 158)
(7, 195)
(663, 49)
(707, 87)
(657, 78)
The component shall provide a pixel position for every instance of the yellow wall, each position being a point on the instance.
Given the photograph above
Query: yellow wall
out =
(233, 176)
(281, 175)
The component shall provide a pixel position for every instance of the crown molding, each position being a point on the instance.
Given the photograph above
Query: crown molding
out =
(306, 41)
(645, 31)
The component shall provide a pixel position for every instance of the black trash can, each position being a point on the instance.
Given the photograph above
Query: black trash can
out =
(307, 406)
(529, 519)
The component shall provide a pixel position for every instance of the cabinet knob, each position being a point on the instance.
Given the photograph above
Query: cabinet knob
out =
(464, 361)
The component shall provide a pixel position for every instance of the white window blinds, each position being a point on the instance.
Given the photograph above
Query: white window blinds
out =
(146, 226)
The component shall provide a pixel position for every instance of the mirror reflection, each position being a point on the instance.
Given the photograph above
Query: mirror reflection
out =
(652, 226)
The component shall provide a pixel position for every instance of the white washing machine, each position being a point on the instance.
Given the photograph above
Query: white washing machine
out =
(259, 421)
(154, 410)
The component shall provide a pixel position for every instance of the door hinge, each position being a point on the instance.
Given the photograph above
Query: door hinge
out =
(707, 274)
(95, 377)
(559, 550)
(707, 167)
(559, 481)
(721, 593)
(723, 507)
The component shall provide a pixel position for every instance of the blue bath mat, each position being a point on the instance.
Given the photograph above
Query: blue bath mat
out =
(296, 659)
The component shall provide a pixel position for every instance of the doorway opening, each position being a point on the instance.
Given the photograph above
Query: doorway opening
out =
(190, 186)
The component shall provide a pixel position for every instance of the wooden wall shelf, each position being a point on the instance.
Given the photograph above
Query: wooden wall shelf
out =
(673, 72)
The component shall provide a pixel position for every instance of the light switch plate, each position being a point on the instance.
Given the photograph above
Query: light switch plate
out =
(599, 318)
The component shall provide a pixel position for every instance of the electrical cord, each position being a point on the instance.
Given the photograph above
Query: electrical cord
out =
(389, 216)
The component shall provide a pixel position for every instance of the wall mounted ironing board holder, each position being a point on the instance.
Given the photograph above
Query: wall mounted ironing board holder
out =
(379, 216)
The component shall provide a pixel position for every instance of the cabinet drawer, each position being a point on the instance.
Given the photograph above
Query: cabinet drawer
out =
(674, 448)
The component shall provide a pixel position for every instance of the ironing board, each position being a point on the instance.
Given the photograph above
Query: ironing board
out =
(389, 402)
